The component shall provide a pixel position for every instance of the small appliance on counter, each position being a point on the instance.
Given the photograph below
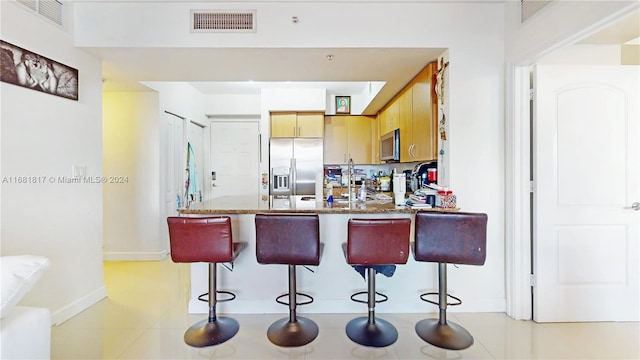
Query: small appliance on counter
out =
(424, 174)
(399, 188)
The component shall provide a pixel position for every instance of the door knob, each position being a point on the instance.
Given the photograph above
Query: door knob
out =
(635, 206)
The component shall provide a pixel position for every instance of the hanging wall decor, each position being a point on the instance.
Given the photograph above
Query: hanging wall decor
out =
(33, 71)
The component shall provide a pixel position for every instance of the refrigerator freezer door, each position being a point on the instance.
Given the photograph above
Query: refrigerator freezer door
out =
(308, 164)
(280, 161)
(301, 159)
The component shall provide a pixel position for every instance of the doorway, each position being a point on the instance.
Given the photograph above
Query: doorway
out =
(234, 160)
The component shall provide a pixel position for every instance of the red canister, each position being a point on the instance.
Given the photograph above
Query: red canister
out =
(432, 175)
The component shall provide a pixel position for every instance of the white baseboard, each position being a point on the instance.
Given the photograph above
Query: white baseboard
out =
(67, 312)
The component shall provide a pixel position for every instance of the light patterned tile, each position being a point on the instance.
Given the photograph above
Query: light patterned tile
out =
(145, 316)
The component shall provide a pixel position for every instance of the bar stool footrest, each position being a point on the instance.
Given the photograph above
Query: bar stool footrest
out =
(423, 298)
(297, 303)
(205, 297)
(384, 297)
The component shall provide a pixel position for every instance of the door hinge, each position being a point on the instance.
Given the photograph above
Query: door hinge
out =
(532, 280)
(530, 94)
(531, 186)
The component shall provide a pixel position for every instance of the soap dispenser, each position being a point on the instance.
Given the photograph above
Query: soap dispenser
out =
(362, 193)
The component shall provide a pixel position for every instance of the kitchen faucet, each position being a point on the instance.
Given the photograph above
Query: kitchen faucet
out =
(351, 186)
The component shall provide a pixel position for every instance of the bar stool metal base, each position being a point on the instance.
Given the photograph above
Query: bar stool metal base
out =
(292, 333)
(448, 335)
(379, 333)
(205, 333)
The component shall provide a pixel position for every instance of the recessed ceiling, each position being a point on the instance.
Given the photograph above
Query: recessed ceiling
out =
(626, 31)
(244, 70)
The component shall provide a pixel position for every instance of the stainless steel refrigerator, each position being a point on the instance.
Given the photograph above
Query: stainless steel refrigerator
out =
(294, 164)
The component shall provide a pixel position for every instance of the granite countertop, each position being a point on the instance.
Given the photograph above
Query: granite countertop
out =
(295, 204)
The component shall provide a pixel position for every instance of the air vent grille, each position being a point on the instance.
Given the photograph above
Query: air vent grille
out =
(51, 9)
(223, 21)
(529, 7)
(31, 4)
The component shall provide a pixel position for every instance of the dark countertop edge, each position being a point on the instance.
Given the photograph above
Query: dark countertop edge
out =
(311, 211)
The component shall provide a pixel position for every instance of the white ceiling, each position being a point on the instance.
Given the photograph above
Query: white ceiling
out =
(246, 71)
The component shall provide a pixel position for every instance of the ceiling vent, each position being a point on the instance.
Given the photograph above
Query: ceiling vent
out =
(223, 21)
(529, 7)
(50, 9)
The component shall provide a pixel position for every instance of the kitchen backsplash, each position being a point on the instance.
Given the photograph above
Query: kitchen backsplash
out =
(333, 173)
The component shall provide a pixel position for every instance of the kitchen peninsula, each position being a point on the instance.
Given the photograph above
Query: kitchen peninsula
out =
(331, 283)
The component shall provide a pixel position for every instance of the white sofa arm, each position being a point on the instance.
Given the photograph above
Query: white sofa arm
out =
(25, 333)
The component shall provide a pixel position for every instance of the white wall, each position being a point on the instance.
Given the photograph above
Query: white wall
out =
(45, 135)
(132, 150)
(525, 42)
(472, 33)
(134, 221)
(234, 105)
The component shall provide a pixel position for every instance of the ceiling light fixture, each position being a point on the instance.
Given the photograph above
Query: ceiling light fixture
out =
(329, 57)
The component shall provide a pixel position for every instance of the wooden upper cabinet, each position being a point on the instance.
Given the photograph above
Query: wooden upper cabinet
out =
(310, 125)
(375, 141)
(414, 112)
(425, 117)
(347, 137)
(359, 139)
(389, 117)
(335, 140)
(405, 102)
(293, 124)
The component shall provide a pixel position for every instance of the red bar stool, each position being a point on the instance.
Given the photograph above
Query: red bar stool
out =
(372, 243)
(207, 240)
(455, 238)
(290, 239)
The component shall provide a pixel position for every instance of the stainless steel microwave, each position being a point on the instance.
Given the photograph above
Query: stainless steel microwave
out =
(390, 146)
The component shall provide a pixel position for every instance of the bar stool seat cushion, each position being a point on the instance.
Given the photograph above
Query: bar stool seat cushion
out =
(280, 241)
(202, 242)
(447, 241)
(378, 241)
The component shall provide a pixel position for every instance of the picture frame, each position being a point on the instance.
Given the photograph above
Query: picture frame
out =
(343, 104)
(33, 71)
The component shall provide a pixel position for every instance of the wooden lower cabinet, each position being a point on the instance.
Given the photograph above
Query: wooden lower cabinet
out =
(348, 137)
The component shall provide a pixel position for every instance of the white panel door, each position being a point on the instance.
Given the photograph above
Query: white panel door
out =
(586, 160)
(235, 159)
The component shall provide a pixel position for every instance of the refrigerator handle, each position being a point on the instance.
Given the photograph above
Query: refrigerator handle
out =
(294, 177)
(260, 148)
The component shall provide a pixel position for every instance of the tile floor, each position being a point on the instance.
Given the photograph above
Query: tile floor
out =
(145, 316)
